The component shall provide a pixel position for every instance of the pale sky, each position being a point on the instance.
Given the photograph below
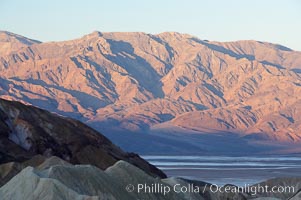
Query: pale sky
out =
(276, 21)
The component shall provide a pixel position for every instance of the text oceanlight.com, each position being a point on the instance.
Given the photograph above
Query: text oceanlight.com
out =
(191, 188)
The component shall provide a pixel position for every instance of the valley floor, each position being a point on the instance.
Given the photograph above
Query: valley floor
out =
(221, 170)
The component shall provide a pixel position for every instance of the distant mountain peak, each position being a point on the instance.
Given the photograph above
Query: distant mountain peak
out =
(172, 34)
(94, 34)
(6, 36)
(11, 42)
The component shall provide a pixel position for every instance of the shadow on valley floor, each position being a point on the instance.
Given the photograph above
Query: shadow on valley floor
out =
(173, 143)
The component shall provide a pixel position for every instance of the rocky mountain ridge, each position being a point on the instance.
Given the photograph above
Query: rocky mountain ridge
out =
(138, 82)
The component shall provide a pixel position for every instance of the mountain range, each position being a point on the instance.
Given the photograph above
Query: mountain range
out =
(162, 93)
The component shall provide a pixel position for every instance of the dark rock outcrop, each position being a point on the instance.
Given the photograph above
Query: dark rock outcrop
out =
(27, 131)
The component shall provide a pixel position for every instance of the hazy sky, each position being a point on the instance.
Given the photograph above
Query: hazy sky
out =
(277, 21)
